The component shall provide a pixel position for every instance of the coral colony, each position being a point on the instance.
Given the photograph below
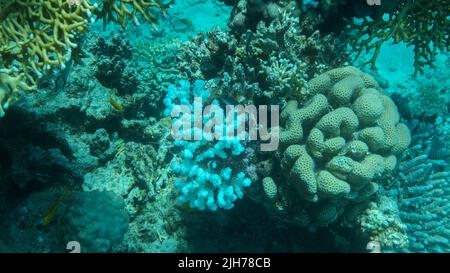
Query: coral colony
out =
(174, 126)
(211, 122)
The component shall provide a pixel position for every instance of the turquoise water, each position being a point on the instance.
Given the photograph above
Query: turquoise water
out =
(90, 160)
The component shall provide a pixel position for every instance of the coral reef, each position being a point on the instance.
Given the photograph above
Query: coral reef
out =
(120, 12)
(326, 15)
(90, 157)
(246, 14)
(422, 188)
(80, 141)
(417, 23)
(265, 65)
(424, 97)
(156, 63)
(36, 38)
(335, 147)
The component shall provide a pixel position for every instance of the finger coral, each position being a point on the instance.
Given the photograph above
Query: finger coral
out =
(336, 146)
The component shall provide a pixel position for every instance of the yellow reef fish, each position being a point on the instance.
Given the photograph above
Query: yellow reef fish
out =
(54, 209)
(166, 122)
(115, 104)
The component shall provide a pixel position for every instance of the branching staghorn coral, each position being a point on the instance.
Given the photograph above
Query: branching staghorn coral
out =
(120, 12)
(37, 36)
(8, 84)
(423, 24)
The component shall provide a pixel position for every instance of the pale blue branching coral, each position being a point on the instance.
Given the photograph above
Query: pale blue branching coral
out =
(182, 94)
(204, 183)
(209, 172)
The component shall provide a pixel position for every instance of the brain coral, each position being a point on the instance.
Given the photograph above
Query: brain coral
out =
(341, 141)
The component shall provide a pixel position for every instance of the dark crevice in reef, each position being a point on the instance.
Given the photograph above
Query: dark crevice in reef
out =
(33, 158)
(21, 129)
(248, 228)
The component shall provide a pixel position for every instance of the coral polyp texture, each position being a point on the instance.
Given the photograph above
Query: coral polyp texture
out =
(345, 138)
(38, 37)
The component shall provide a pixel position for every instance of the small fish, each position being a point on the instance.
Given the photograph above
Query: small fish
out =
(54, 209)
(63, 76)
(115, 104)
(186, 208)
(181, 24)
(166, 122)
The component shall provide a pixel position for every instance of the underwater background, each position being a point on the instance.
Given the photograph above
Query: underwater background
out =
(86, 152)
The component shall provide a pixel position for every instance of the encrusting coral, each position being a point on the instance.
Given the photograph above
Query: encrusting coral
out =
(336, 146)
(37, 37)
